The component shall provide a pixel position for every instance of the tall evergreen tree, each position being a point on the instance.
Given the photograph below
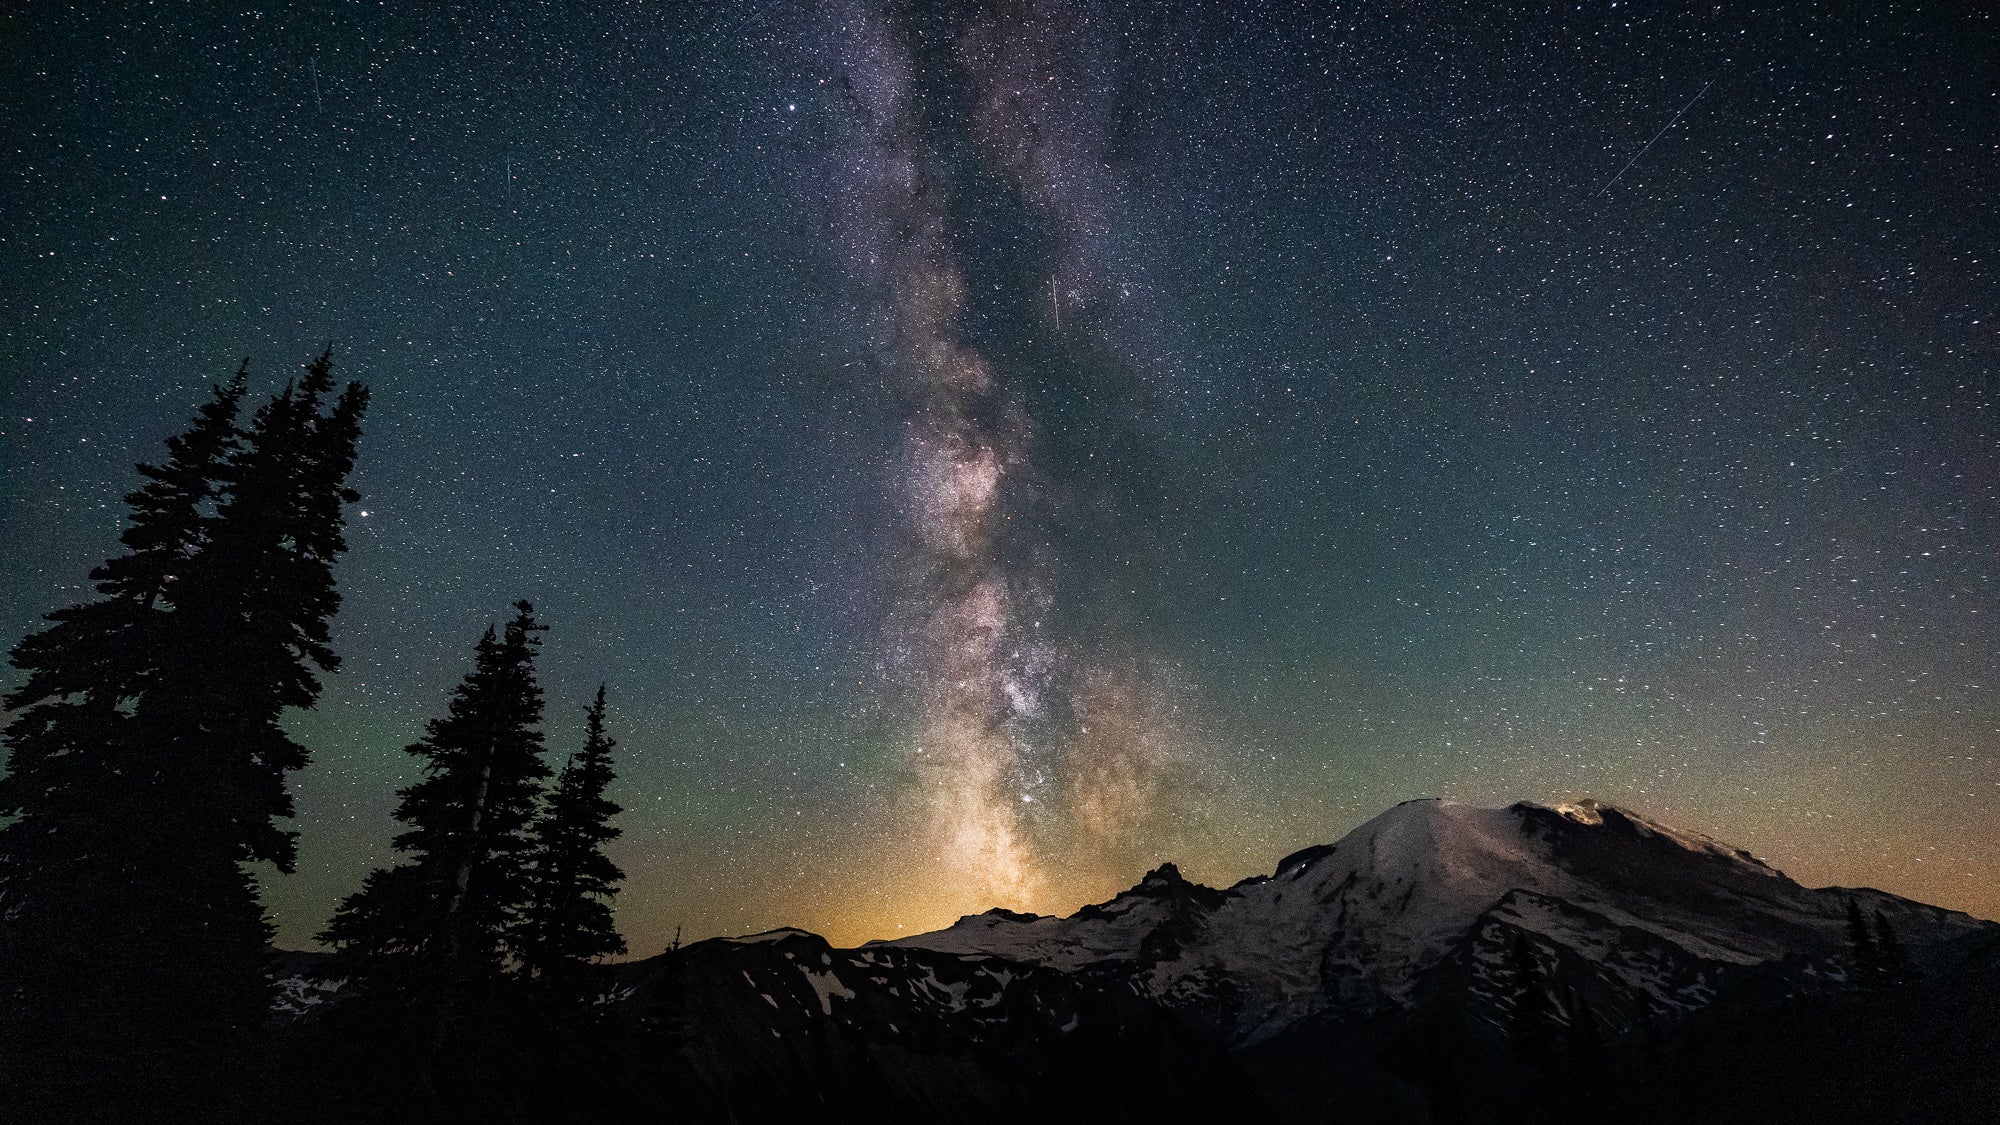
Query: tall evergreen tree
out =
(1586, 1035)
(132, 944)
(1532, 1020)
(1867, 957)
(255, 612)
(1892, 958)
(569, 924)
(440, 920)
(73, 792)
(95, 657)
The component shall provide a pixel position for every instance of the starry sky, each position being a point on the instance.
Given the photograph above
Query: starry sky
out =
(991, 450)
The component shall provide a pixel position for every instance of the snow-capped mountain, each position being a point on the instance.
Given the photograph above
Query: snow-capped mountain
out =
(1417, 957)
(1639, 914)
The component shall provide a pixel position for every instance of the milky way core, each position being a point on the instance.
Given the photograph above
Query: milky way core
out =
(1022, 740)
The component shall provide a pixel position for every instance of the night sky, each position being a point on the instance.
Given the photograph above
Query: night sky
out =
(990, 451)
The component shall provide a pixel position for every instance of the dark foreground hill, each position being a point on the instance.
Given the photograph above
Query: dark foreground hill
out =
(1440, 963)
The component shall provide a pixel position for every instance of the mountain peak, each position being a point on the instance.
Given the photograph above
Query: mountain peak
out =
(1163, 884)
(1002, 914)
(773, 937)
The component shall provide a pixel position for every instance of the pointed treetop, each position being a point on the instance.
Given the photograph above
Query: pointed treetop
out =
(570, 923)
(319, 377)
(524, 625)
(593, 718)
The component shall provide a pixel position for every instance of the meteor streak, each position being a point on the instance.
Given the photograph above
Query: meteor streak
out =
(1656, 136)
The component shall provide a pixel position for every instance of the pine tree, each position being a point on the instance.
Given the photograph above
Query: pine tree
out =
(1893, 959)
(1532, 1022)
(1651, 1036)
(569, 923)
(254, 616)
(95, 657)
(1867, 957)
(74, 796)
(132, 944)
(1586, 1035)
(434, 928)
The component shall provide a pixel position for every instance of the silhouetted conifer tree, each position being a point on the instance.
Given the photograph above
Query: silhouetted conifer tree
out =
(1652, 1038)
(1892, 959)
(1531, 1022)
(569, 923)
(1586, 1035)
(142, 773)
(254, 614)
(1444, 1092)
(436, 926)
(1867, 956)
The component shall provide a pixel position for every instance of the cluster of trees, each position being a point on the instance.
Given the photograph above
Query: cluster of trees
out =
(147, 764)
(147, 769)
(469, 969)
(1880, 960)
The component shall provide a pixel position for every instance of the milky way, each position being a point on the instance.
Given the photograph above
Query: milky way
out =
(1024, 740)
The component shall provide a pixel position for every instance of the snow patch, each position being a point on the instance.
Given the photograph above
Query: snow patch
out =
(299, 995)
(827, 986)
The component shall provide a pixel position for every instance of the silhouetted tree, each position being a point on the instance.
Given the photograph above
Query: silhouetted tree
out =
(1652, 1037)
(1444, 1092)
(569, 924)
(1532, 1021)
(142, 771)
(435, 927)
(1586, 1034)
(1867, 956)
(253, 616)
(1892, 959)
